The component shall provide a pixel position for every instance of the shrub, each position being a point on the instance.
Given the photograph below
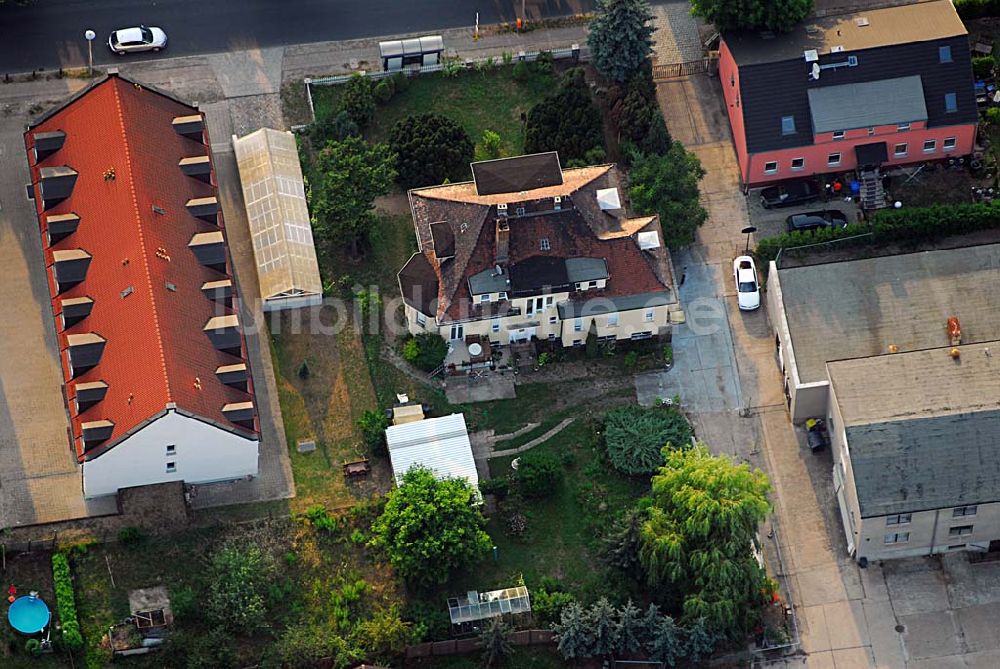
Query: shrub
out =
(506, 57)
(66, 601)
(499, 486)
(384, 90)
(33, 647)
(185, 604)
(131, 536)
(544, 62)
(538, 473)
(547, 606)
(631, 360)
(357, 100)
(635, 437)
(239, 579)
(993, 116)
(430, 148)
(667, 185)
(333, 128)
(982, 66)
(425, 351)
(321, 519)
(372, 425)
(566, 121)
(521, 71)
(303, 371)
(401, 82)
(491, 144)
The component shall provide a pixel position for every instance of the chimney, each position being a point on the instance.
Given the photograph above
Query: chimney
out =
(47, 143)
(189, 126)
(224, 333)
(85, 351)
(234, 376)
(96, 431)
(60, 226)
(69, 267)
(205, 208)
(56, 184)
(89, 394)
(219, 291)
(503, 240)
(199, 167)
(210, 249)
(75, 309)
(240, 413)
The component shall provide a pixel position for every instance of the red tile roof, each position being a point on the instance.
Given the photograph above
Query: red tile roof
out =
(157, 354)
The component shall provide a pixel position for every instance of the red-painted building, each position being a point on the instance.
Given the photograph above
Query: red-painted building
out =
(870, 89)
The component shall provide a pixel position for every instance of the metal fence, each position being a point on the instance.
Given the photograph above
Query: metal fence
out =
(575, 52)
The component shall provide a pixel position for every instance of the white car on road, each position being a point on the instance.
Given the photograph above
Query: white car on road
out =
(130, 40)
(747, 285)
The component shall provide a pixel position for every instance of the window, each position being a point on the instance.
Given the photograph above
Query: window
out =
(421, 319)
(543, 243)
(457, 332)
(852, 61)
(578, 325)
(798, 163)
(944, 54)
(949, 144)
(771, 167)
(519, 211)
(171, 467)
(833, 159)
(553, 319)
(649, 315)
(897, 538)
(962, 511)
(838, 135)
(484, 298)
(732, 80)
(787, 125)
(898, 519)
(549, 302)
(899, 150)
(552, 336)
(957, 547)
(577, 342)
(930, 146)
(960, 531)
(902, 127)
(612, 320)
(502, 295)
(950, 102)
(495, 325)
(171, 449)
(871, 131)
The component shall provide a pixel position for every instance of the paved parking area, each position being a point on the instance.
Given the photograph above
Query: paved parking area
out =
(771, 222)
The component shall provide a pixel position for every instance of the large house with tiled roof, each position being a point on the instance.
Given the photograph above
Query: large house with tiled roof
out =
(154, 361)
(530, 251)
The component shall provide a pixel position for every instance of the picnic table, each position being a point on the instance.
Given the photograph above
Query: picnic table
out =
(357, 469)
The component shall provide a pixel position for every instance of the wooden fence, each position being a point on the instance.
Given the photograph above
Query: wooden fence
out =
(466, 646)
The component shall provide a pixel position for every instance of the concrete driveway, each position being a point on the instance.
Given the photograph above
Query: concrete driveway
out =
(771, 222)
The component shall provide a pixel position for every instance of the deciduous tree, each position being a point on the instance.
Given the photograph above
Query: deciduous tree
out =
(776, 15)
(621, 37)
(350, 174)
(667, 185)
(698, 538)
(431, 528)
(239, 580)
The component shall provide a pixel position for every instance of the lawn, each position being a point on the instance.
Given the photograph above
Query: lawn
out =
(478, 100)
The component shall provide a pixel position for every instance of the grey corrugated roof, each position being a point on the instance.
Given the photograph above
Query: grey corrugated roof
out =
(923, 429)
(489, 281)
(586, 269)
(859, 308)
(916, 22)
(604, 305)
(867, 104)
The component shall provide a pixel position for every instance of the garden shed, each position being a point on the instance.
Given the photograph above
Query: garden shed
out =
(439, 444)
(275, 199)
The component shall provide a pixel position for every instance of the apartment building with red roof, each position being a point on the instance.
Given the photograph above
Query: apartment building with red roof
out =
(157, 382)
(531, 251)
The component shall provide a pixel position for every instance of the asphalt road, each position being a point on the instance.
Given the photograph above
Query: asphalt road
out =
(49, 33)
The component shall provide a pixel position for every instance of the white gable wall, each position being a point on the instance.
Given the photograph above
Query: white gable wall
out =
(202, 453)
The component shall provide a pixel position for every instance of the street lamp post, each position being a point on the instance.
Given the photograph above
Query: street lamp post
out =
(90, 35)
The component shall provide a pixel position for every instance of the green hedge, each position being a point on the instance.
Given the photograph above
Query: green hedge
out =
(977, 9)
(66, 601)
(892, 225)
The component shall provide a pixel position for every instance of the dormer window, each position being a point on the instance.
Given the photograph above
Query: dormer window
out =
(543, 244)
(502, 295)
(485, 298)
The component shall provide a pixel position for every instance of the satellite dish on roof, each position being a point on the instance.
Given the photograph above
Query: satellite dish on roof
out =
(815, 71)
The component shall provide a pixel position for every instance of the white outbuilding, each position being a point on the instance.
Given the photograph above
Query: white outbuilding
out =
(439, 444)
(275, 199)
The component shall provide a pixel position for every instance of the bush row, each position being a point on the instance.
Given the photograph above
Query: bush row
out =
(66, 601)
(892, 225)
(977, 9)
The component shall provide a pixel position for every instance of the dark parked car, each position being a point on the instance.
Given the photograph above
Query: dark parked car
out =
(788, 194)
(814, 220)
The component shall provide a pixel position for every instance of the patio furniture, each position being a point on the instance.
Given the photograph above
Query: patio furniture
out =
(358, 469)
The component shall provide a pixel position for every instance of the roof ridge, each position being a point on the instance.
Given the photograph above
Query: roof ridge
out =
(142, 240)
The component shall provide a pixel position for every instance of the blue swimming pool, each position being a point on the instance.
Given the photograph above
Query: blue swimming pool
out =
(28, 615)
